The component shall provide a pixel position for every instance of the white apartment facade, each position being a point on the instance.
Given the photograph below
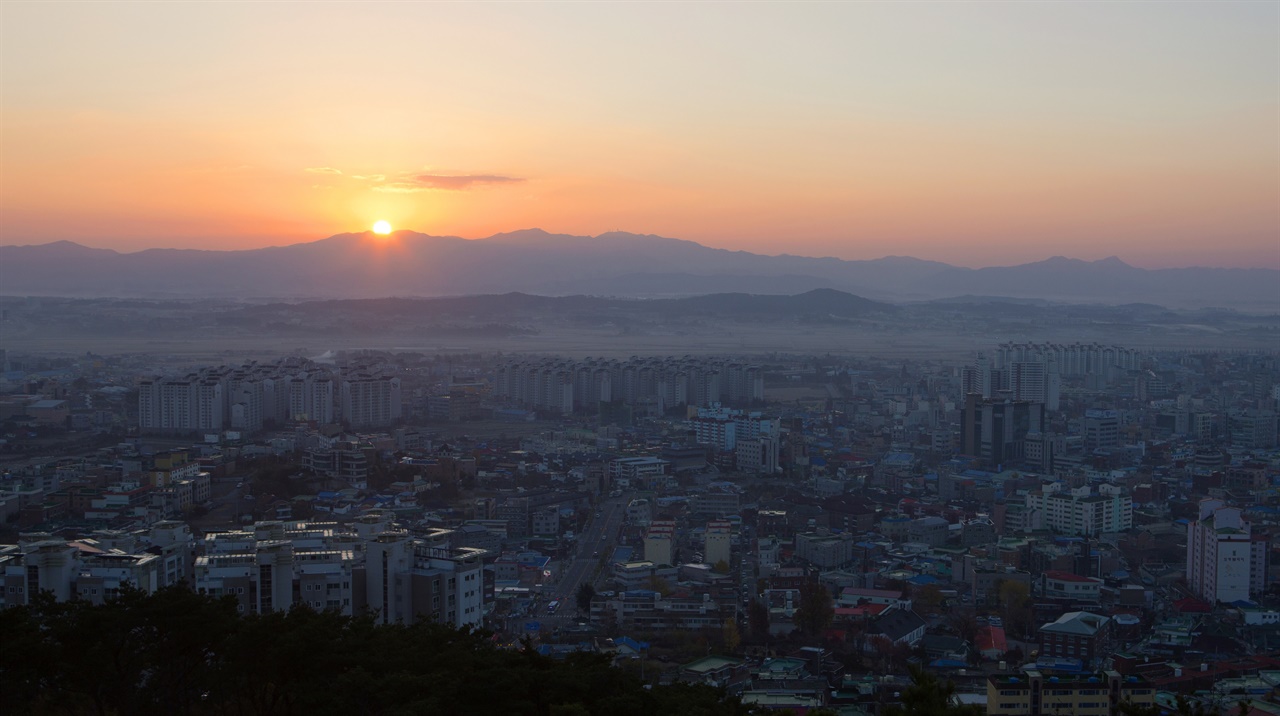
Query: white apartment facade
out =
(1224, 562)
(1080, 512)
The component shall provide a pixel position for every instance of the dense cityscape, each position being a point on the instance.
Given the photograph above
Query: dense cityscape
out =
(682, 358)
(1081, 524)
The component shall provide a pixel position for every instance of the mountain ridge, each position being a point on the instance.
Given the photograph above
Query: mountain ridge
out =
(535, 261)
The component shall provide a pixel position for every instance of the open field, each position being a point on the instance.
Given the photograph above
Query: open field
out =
(200, 332)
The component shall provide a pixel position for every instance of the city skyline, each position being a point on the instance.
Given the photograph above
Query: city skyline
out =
(972, 134)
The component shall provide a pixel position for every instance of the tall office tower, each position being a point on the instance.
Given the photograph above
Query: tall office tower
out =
(1224, 562)
(994, 429)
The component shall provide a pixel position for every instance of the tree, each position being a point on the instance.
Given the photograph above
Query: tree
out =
(178, 652)
(1182, 707)
(758, 619)
(965, 624)
(928, 597)
(816, 610)
(722, 567)
(659, 585)
(927, 696)
(732, 637)
(586, 593)
(1015, 598)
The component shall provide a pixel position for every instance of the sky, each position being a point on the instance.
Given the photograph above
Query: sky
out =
(977, 133)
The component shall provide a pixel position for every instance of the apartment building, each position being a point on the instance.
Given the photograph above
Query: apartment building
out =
(715, 503)
(1094, 694)
(410, 578)
(659, 542)
(370, 401)
(247, 397)
(718, 542)
(1080, 511)
(1076, 635)
(1225, 562)
(825, 550)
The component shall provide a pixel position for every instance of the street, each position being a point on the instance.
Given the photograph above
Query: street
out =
(599, 540)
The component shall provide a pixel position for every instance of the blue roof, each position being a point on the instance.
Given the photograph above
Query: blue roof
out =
(631, 643)
(923, 579)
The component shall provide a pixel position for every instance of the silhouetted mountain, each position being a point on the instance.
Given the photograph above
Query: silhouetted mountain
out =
(616, 263)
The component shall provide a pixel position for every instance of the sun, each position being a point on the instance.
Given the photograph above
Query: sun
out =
(381, 227)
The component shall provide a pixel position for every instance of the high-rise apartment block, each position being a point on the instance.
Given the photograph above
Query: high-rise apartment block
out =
(1225, 563)
(248, 397)
(656, 384)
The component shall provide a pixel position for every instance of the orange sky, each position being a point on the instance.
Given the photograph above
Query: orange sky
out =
(978, 134)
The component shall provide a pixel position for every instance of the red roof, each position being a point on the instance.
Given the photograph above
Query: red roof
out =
(1067, 577)
(992, 638)
(869, 610)
(1191, 604)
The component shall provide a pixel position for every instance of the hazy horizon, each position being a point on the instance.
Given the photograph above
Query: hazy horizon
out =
(398, 231)
(975, 134)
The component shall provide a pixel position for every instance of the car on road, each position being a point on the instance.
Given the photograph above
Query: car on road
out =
(553, 606)
(595, 553)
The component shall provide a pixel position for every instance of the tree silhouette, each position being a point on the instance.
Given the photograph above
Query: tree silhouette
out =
(927, 696)
(586, 593)
(815, 611)
(758, 619)
(177, 652)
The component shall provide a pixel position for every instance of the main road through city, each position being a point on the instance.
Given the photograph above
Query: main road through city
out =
(594, 545)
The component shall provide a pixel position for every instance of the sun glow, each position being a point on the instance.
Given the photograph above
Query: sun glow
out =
(381, 227)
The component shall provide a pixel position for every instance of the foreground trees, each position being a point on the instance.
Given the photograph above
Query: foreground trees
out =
(176, 652)
(928, 696)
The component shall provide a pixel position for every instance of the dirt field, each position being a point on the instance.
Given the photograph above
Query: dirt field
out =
(915, 342)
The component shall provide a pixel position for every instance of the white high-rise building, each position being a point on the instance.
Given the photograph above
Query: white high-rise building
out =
(370, 401)
(1035, 381)
(1224, 562)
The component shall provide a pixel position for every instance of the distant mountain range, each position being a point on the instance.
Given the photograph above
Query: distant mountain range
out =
(613, 264)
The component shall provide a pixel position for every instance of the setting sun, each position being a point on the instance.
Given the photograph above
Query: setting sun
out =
(381, 227)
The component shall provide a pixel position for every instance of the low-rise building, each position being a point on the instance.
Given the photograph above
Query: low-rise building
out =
(1094, 694)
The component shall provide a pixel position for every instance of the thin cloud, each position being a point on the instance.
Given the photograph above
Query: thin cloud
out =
(369, 177)
(461, 183)
(444, 182)
(322, 170)
(399, 187)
